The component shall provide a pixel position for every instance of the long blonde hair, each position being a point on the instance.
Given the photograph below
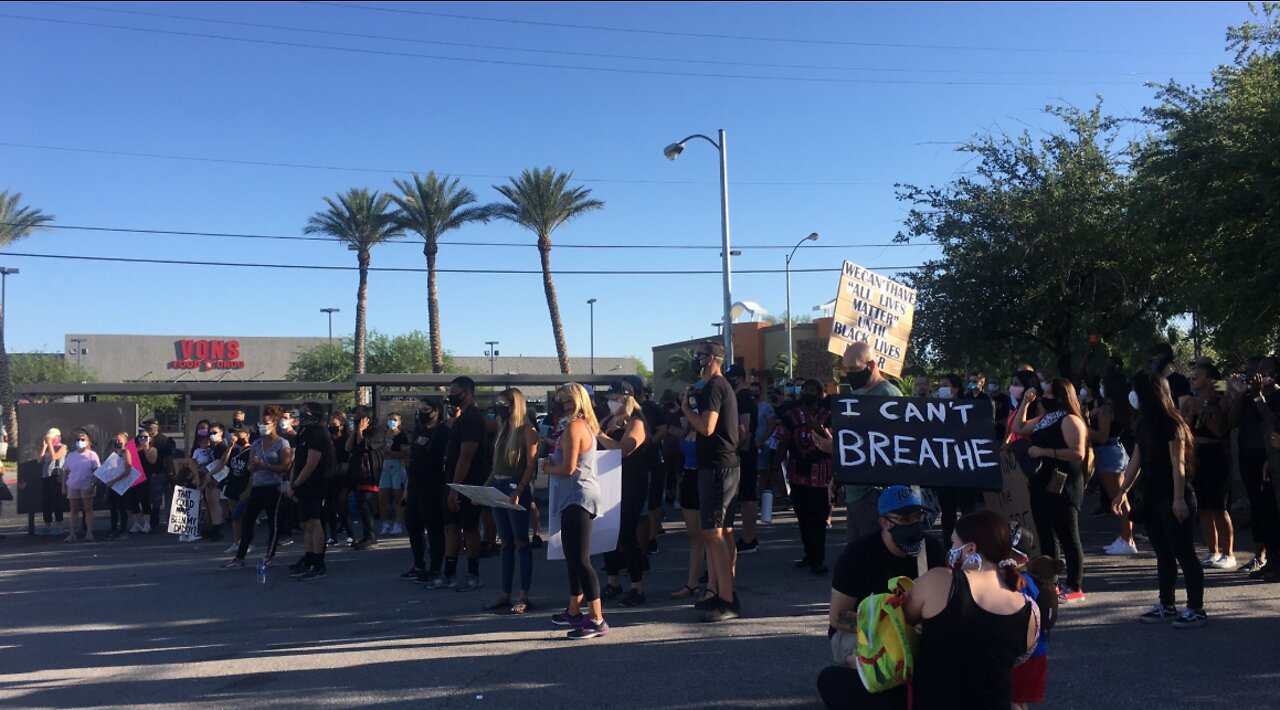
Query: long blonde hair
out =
(510, 439)
(579, 406)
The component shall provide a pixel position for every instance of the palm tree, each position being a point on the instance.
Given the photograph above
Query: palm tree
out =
(360, 219)
(16, 222)
(541, 201)
(679, 366)
(432, 206)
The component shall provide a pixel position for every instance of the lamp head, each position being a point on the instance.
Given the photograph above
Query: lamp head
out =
(673, 151)
(813, 237)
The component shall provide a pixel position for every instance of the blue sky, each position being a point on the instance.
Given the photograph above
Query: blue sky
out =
(814, 148)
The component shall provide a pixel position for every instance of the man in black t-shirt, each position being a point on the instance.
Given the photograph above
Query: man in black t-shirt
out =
(424, 491)
(748, 490)
(712, 411)
(656, 420)
(314, 461)
(465, 462)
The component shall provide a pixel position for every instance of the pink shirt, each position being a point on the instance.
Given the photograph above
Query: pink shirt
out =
(80, 466)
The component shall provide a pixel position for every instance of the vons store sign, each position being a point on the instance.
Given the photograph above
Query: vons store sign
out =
(205, 355)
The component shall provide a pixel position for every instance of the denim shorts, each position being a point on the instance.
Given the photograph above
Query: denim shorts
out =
(1110, 457)
(392, 474)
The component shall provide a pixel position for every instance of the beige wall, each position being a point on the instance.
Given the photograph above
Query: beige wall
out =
(118, 358)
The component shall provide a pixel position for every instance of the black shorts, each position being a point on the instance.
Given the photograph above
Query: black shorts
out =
(1212, 481)
(718, 496)
(689, 489)
(657, 485)
(468, 515)
(748, 491)
(309, 507)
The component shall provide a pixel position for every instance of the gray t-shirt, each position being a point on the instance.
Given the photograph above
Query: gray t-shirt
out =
(856, 491)
(580, 489)
(269, 456)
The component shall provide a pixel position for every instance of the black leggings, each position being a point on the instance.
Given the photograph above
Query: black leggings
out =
(119, 511)
(635, 490)
(363, 503)
(334, 512)
(138, 500)
(575, 535)
(53, 500)
(1057, 518)
(424, 523)
(261, 498)
(812, 507)
(842, 689)
(1174, 545)
(1263, 512)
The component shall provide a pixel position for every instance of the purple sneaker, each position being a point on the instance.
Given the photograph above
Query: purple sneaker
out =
(564, 618)
(589, 630)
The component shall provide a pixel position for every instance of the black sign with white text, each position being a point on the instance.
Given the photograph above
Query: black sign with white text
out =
(915, 441)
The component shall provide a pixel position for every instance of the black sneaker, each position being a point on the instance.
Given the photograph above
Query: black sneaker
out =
(536, 542)
(819, 568)
(1158, 614)
(653, 546)
(312, 573)
(803, 563)
(413, 575)
(1190, 619)
(1253, 566)
(748, 548)
(609, 592)
(365, 544)
(706, 604)
(720, 612)
(300, 566)
(632, 598)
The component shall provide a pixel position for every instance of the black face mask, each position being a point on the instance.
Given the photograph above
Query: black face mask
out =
(335, 430)
(696, 364)
(504, 411)
(1050, 405)
(858, 380)
(910, 538)
(808, 399)
(423, 419)
(454, 400)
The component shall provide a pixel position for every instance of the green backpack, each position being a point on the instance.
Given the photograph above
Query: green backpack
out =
(885, 658)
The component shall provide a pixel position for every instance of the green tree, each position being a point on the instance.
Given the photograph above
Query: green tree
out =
(387, 354)
(679, 367)
(17, 221)
(1210, 185)
(1039, 250)
(47, 369)
(432, 206)
(542, 201)
(361, 219)
(782, 319)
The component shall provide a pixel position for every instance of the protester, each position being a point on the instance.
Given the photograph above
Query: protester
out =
(158, 478)
(236, 484)
(78, 484)
(1056, 488)
(688, 498)
(515, 463)
(712, 411)
(862, 374)
(864, 568)
(52, 460)
(270, 457)
(766, 424)
(809, 472)
(424, 491)
(656, 423)
(337, 517)
(1206, 413)
(314, 462)
(365, 446)
(119, 502)
(576, 491)
(1255, 401)
(210, 490)
(466, 462)
(1162, 463)
(1109, 426)
(748, 489)
(1023, 381)
(953, 501)
(391, 485)
(624, 430)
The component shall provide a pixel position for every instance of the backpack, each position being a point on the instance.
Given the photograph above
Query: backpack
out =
(885, 658)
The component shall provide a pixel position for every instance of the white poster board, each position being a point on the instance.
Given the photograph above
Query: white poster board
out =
(113, 467)
(184, 514)
(488, 496)
(604, 529)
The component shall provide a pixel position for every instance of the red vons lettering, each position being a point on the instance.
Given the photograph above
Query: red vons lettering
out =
(205, 355)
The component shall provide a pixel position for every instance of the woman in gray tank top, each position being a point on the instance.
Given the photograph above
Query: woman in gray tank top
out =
(576, 493)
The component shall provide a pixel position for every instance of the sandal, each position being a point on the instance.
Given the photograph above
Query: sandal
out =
(498, 604)
(684, 592)
(521, 606)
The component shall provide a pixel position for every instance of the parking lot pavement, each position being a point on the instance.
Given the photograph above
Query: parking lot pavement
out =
(150, 622)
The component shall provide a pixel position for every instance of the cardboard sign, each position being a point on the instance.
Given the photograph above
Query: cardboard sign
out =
(184, 513)
(886, 441)
(813, 361)
(874, 310)
(608, 521)
(1013, 501)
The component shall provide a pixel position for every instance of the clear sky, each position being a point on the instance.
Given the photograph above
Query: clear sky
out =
(826, 107)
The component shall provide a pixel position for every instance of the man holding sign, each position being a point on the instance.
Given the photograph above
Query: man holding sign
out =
(863, 375)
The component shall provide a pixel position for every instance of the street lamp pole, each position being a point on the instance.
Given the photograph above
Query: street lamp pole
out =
(492, 352)
(791, 357)
(4, 283)
(672, 152)
(76, 342)
(592, 302)
(330, 311)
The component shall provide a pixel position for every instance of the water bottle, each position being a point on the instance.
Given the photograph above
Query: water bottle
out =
(766, 507)
(262, 571)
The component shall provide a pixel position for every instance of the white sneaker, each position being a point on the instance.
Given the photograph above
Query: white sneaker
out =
(1121, 547)
(135, 528)
(146, 527)
(1225, 562)
(231, 549)
(386, 528)
(1209, 559)
(397, 530)
(194, 538)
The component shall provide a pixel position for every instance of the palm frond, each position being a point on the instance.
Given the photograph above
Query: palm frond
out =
(18, 221)
(542, 201)
(359, 217)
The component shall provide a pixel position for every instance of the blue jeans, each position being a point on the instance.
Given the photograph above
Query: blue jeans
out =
(513, 528)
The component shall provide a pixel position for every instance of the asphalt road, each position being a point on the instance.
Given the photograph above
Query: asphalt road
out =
(149, 622)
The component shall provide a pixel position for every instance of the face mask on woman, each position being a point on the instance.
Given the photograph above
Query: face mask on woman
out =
(264, 429)
(944, 393)
(1016, 392)
(1083, 394)
(615, 406)
(1133, 400)
(957, 559)
(393, 424)
(81, 445)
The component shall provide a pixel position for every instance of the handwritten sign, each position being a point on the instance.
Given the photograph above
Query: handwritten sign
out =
(1013, 501)
(608, 520)
(113, 467)
(814, 361)
(874, 310)
(885, 441)
(184, 513)
(488, 496)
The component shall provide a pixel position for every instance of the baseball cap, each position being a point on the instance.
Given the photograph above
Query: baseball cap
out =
(622, 387)
(735, 372)
(899, 499)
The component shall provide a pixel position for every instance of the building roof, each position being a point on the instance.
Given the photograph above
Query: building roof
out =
(545, 365)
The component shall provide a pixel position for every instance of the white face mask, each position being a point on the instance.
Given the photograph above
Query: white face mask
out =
(614, 406)
(1133, 400)
(944, 392)
(264, 429)
(82, 445)
(1083, 394)
(215, 438)
(393, 423)
(1102, 391)
(1044, 386)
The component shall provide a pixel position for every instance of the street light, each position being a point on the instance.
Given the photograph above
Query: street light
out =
(790, 344)
(491, 353)
(79, 351)
(4, 282)
(330, 311)
(592, 302)
(672, 152)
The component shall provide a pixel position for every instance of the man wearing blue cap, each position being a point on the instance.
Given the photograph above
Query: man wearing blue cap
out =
(864, 568)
